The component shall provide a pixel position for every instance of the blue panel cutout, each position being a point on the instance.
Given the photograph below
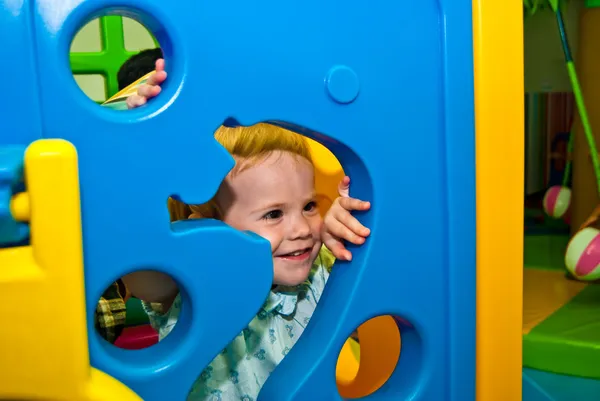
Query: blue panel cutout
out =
(387, 86)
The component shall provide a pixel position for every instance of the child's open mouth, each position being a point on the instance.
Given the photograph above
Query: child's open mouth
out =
(299, 255)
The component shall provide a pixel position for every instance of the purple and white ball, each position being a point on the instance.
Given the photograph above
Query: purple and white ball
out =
(557, 201)
(583, 255)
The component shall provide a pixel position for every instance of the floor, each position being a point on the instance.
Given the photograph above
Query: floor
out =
(561, 319)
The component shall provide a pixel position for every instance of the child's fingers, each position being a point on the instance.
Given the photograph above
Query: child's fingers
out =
(344, 187)
(337, 248)
(148, 91)
(339, 230)
(341, 252)
(157, 78)
(351, 223)
(134, 101)
(160, 64)
(354, 204)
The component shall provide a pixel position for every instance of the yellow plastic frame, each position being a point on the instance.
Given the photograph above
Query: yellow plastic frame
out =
(46, 356)
(499, 124)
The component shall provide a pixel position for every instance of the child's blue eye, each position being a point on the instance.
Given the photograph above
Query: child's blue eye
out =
(273, 214)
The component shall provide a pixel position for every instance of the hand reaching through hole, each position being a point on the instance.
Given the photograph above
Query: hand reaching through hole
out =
(149, 89)
(339, 224)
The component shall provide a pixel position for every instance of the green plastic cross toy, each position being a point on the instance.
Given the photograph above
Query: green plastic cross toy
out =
(107, 61)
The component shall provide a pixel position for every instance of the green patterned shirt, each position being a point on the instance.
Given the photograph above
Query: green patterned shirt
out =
(239, 372)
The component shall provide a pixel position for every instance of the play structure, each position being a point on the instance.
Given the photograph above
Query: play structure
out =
(561, 260)
(82, 185)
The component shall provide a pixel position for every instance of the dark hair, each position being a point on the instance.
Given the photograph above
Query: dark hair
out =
(137, 66)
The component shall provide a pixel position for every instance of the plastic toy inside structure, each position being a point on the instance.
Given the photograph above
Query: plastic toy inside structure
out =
(97, 180)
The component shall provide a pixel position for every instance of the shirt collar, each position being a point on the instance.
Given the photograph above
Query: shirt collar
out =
(283, 299)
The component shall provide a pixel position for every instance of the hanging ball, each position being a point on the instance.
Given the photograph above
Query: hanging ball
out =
(583, 255)
(557, 201)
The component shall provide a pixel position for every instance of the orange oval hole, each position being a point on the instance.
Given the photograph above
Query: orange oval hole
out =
(361, 372)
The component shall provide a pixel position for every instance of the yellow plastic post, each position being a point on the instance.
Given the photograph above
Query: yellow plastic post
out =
(44, 351)
(499, 122)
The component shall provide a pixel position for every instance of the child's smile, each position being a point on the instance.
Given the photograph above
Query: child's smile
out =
(275, 198)
(299, 255)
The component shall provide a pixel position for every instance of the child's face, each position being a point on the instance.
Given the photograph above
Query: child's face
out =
(275, 198)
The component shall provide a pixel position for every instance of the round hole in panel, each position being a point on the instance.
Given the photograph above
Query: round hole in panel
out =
(376, 355)
(109, 60)
(124, 320)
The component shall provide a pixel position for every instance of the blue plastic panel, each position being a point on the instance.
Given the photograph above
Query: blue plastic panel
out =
(19, 101)
(387, 86)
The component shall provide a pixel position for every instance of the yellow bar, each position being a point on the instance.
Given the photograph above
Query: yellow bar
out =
(44, 349)
(499, 122)
(44, 354)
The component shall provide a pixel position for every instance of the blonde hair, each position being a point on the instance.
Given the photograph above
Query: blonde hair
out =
(251, 144)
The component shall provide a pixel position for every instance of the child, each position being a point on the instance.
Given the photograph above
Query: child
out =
(271, 192)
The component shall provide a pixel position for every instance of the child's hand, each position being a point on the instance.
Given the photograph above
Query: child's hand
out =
(150, 89)
(340, 225)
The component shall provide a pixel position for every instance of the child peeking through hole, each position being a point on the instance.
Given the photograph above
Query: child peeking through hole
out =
(271, 192)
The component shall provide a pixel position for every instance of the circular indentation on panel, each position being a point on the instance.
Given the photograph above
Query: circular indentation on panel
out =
(380, 351)
(342, 84)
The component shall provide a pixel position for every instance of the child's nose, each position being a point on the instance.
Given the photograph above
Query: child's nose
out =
(300, 228)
